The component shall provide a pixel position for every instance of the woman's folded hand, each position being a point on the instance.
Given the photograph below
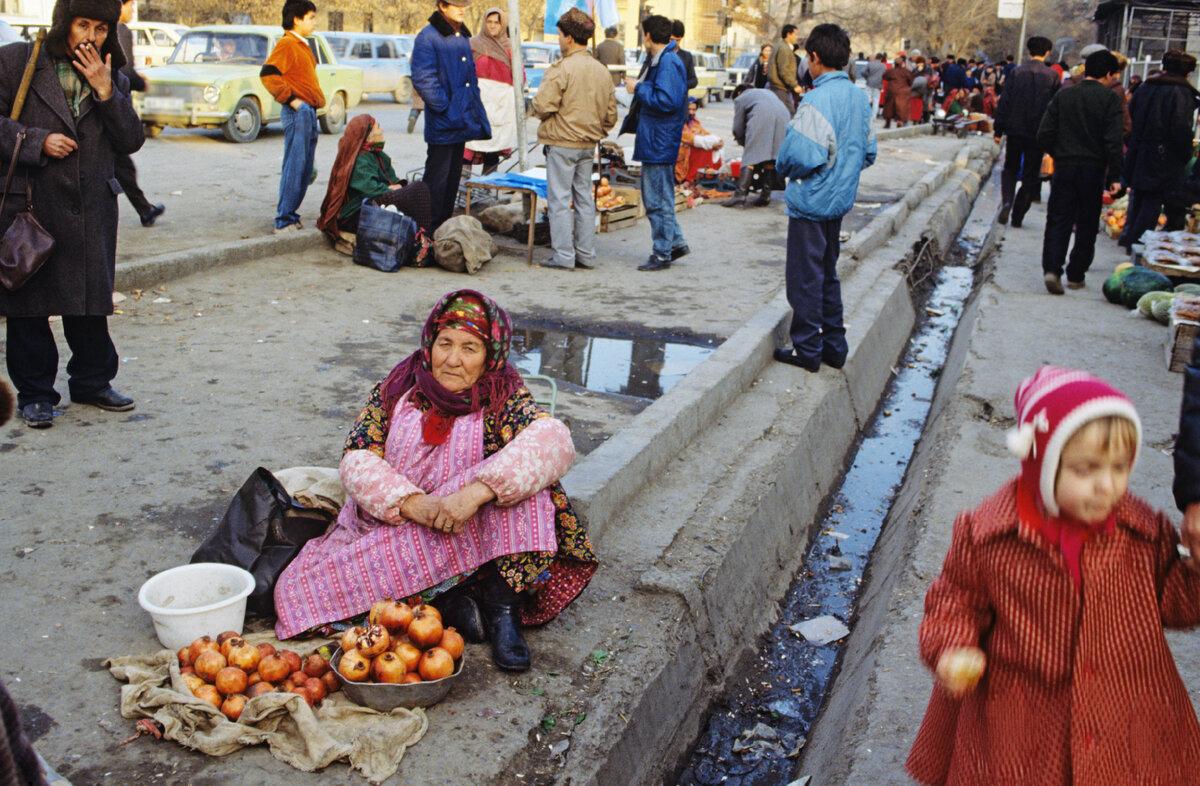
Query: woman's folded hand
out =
(461, 506)
(421, 508)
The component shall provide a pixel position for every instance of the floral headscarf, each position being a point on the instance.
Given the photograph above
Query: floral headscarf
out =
(468, 310)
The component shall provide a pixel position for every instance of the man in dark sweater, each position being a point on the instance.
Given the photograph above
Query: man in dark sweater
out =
(125, 170)
(1083, 130)
(1027, 93)
(689, 62)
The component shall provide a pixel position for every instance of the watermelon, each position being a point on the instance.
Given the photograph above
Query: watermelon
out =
(1146, 302)
(1138, 282)
(1112, 285)
(1189, 289)
(1123, 266)
(1161, 309)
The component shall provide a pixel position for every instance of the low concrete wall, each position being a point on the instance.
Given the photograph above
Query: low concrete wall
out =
(150, 271)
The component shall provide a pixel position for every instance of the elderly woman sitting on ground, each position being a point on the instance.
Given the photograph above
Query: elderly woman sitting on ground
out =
(452, 473)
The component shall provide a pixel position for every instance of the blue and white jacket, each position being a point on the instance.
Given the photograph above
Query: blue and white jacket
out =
(828, 144)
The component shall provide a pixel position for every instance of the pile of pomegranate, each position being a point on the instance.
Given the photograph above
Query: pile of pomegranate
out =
(227, 672)
(401, 644)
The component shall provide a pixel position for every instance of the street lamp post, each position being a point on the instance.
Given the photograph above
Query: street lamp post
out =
(518, 70)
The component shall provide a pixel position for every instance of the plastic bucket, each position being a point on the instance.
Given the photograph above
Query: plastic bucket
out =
(190, 601)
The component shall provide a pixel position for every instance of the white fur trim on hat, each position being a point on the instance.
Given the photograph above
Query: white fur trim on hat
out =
(1108, 406)
(1023, 439)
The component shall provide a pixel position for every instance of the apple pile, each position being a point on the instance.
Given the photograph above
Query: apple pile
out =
(227, 672)
(400, 645)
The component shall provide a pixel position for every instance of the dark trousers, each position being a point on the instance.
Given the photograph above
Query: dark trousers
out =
(1144, 209)
(1023, 164)
(443, 170)
(1076, 191)
(127, 177)
(813, 289)
(32, 357)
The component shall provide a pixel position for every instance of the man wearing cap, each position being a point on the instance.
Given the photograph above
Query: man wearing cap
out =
(443, 74)
(578, 107)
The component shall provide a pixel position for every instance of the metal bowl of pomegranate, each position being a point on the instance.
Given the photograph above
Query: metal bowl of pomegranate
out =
(387, 696)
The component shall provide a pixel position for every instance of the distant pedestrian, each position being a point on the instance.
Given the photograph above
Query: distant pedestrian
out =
(610, 53)
(1161, 143)
(757, 76)
(1027, 93)
(126, 171)
(689, 62)
(290, 75)
(873, 74)
(78, 118)
(443, 72)
(493, 67)
(577, 107)
(1082, 130)
(828, 144)
(659, 111)
(896, 107)
(781, 71)
(760, 124)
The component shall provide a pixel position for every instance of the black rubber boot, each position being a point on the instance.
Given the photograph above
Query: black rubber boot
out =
(461, 612)
(501, 606)
(764, 196)
(742, 190)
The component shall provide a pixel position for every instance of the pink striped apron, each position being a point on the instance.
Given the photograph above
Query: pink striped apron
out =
(361, 559)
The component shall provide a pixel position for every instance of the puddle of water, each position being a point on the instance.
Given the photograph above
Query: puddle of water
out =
(641, 367)
(787, 683)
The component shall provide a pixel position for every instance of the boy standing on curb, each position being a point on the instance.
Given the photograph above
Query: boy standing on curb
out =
(828, 144)
(290, 74)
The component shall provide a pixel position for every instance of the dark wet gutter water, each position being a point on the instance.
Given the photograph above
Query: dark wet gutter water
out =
(756, 731)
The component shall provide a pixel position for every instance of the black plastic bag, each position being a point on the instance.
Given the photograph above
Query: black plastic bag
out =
(262, 531)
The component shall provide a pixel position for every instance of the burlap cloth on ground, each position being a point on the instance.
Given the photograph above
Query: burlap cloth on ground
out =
(462, 245)
(371, 742)
(319, 488)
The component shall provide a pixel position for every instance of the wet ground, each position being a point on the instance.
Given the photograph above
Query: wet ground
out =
(756, 731)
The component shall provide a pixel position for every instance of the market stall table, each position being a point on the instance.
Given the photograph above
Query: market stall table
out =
(531, 182)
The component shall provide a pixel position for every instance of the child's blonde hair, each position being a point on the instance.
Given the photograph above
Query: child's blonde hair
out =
(1117, 434)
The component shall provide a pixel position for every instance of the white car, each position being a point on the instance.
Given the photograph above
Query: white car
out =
(383, 61)
(153, 42)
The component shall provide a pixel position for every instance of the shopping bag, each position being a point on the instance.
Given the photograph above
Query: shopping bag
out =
(386, 239)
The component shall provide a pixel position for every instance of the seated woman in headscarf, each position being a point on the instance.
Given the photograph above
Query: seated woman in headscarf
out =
(493, 66)
(361, 171)
(451, 473)
(698, 149)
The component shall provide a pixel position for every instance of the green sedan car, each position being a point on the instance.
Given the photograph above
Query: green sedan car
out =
(211, 81)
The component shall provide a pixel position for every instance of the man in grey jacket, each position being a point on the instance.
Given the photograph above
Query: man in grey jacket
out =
(873, 73)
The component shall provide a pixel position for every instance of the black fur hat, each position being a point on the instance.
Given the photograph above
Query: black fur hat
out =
(108, 11)
(6, 402)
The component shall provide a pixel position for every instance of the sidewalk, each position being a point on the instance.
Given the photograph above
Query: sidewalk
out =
(880, 697)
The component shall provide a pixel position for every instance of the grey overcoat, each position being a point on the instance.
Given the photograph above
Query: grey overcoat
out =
(759, 124)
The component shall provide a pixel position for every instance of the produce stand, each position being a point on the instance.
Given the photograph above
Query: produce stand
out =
(510, 183)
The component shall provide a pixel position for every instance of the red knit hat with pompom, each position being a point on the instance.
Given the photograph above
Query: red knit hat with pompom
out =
(1051, 406)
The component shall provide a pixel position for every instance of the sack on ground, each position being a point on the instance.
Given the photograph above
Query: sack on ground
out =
(386, 239)
(462, 245)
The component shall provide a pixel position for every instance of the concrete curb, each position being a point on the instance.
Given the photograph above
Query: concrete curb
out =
(921, 129)
(149, 271)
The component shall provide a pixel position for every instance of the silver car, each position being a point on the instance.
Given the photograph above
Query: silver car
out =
(384, 63)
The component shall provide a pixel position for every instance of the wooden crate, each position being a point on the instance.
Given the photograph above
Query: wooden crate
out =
(1181, 337)
(626, 215)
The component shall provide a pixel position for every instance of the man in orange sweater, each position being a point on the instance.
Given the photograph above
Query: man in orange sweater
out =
(290, 74)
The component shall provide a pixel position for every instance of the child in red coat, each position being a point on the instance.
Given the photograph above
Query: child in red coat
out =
(1045, 628)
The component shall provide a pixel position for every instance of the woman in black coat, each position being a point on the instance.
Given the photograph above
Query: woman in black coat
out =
(77, 118)
(1160, 144)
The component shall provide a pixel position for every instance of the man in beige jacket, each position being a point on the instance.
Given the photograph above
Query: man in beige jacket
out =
(578, 107)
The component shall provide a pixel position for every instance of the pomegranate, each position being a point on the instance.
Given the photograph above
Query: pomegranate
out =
(253, 678)
(388, 668)
(425, 630)
(316, 689)
(200, 645)
(425, 608)
(435, 664)
(193, 683)
(408, 653)
(233, 705)
(228, 645)
(412, 677)
(185, 656)
(227, 635)
(302, 692)
(293, 660)
(331, 682)
(210, 694)
(187, 670)
(315, 665)
(354, 666)
(452, 642)
(231, 680)
(266, 649)
(259, 689)
(208, 664)
(245, 656)
(391, 614)
(273, 668)
(350, 637)
(375, 641)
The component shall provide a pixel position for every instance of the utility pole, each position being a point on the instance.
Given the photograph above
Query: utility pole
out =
(1021, 38)
(518, 69)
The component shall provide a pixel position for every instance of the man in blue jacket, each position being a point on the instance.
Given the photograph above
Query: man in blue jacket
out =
(660, 101)
(828, 144)
(443, 73)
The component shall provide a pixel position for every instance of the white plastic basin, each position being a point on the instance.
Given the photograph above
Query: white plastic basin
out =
(190, 601)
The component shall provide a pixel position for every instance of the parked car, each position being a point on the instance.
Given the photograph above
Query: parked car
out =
(710, 76)
(736, 73)
(380, 59)
(153, 43)
(212, 81)
(405, 45)
(537, 57)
